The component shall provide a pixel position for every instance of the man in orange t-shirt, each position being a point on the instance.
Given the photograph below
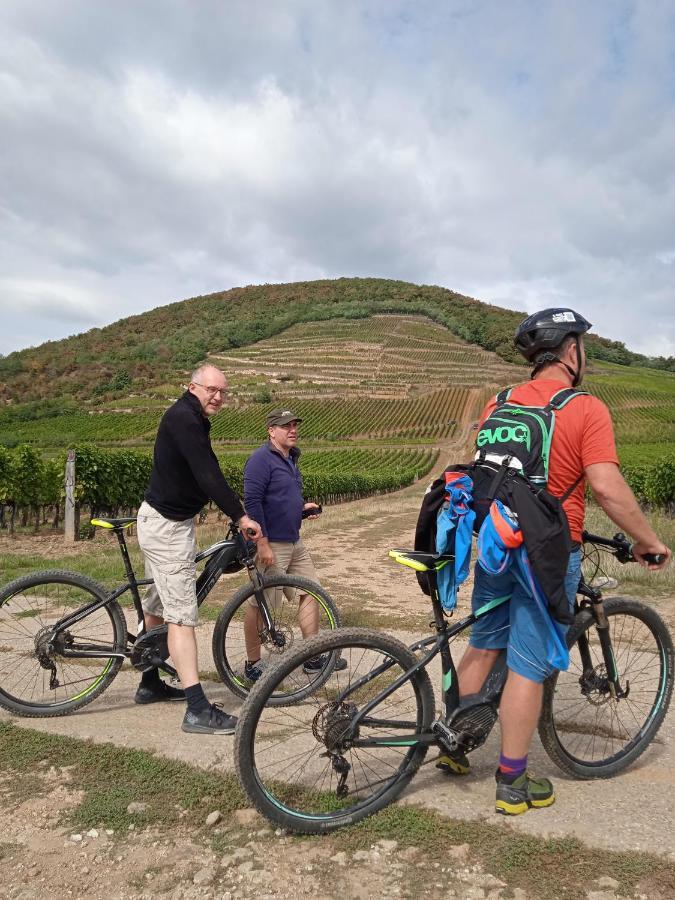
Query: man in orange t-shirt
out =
(582, 450)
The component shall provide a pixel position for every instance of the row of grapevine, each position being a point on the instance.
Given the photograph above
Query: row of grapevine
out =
(428, 415)
(108, 482)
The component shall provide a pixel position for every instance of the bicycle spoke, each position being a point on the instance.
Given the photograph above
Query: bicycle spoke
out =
(34, 671)
(299, 756)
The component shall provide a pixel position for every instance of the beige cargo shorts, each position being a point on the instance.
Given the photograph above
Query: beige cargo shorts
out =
(169, 548)
(291, 559)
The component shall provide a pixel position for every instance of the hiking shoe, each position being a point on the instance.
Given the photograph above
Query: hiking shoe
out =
(253, 670)
(522, 794)
(158, 693)
(317, 663)
(212, 720)
(453, 763)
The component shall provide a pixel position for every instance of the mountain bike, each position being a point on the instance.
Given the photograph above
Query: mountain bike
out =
(64, 637)
(353, 745)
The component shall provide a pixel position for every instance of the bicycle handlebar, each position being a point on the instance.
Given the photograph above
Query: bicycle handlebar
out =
(623, 549)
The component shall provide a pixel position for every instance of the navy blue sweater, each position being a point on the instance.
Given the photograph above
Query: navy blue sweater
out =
(185, 472)
(273, 492)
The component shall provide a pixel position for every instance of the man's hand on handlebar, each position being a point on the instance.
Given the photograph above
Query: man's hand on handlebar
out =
(643, 550)
(249, 528)
(265, 555)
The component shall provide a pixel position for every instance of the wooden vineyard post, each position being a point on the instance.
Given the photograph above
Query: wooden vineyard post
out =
(72, 511)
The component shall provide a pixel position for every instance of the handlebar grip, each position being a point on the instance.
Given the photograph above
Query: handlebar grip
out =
(312, 511)
(654, 559)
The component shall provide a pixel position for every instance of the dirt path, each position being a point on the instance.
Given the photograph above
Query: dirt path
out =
(630, 812)
(350, 547)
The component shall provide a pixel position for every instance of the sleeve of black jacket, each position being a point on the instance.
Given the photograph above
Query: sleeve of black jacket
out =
(193, 442)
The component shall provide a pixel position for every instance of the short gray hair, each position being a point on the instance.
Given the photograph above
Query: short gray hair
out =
(200, 371)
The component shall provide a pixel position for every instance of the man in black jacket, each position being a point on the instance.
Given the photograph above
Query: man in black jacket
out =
(185, 476)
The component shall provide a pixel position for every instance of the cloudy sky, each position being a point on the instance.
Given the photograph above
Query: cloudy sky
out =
(518, 151)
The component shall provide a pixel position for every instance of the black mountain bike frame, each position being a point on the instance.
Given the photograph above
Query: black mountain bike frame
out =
(235, 550)
(490, 694)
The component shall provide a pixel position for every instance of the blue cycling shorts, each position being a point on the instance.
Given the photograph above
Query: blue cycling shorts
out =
(517, 625)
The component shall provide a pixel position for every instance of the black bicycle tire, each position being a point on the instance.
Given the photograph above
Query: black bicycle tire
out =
(612, 765)
(226, 672)
(245, 734)
(62, 708)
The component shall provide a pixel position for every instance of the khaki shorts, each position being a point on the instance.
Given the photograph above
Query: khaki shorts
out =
(291, 559)
(169, 548)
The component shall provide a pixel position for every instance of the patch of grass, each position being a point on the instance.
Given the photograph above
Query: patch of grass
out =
(111, 778)
(519, 860)
(356, 607)
(633, 579)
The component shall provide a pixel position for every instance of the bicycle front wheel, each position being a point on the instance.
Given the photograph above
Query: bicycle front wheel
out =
(282, 595)
(37, 678)
(321, 764)
(586, 729)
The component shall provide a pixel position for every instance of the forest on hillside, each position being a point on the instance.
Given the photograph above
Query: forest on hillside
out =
(142, 350)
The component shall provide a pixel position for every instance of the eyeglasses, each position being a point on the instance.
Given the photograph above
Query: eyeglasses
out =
(212, 391)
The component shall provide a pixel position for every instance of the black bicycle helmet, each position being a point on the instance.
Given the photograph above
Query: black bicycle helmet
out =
(547, 329)
(543, 332)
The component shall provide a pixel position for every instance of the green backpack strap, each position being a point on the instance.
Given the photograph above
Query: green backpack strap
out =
(562, 398)
(503, 396)
(557, 401)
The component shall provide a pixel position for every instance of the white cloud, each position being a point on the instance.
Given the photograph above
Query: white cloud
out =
(518, 152)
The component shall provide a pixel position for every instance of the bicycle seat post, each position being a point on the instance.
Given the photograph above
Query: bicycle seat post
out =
(128, 568)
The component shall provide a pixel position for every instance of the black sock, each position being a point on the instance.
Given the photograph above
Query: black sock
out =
(150, 679)
(196, 698)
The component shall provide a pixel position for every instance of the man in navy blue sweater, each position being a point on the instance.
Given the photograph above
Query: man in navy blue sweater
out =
(273, 497)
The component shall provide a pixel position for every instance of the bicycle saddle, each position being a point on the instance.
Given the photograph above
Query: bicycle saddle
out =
(116, 524)
(420, 561)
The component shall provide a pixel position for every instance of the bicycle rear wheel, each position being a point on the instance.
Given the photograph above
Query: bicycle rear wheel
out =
(282, 593)
(307, 768)
(584, 729)
(36, 679)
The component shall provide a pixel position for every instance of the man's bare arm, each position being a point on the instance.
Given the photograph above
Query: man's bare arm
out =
(618, 501)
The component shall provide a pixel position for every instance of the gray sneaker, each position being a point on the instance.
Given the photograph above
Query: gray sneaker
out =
(213, 720)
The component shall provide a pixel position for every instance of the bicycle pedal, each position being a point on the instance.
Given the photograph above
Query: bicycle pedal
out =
(447, 736)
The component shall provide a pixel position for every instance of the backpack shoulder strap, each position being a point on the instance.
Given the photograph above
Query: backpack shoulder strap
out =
(503, 396)
(562, 398)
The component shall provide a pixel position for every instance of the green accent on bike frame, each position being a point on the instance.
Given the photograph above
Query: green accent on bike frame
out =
(491, 605)
(447, 680)
(93, 686)
(244, 683)
(408, 743)
(659, 699)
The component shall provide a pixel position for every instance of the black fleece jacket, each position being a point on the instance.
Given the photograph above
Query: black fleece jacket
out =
(185, 471)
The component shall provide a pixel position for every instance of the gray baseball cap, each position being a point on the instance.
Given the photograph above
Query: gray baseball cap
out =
(281, 417)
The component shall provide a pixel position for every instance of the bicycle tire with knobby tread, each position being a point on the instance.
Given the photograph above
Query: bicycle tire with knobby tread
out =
(616, 762)
(62, 708)
(245, 734)
(218, 644)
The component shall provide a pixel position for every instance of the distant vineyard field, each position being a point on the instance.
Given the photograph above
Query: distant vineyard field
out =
(433, 416)
(640, 415)
(114, 480)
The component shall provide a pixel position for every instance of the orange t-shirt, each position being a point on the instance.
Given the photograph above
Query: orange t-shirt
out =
(583, 435)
